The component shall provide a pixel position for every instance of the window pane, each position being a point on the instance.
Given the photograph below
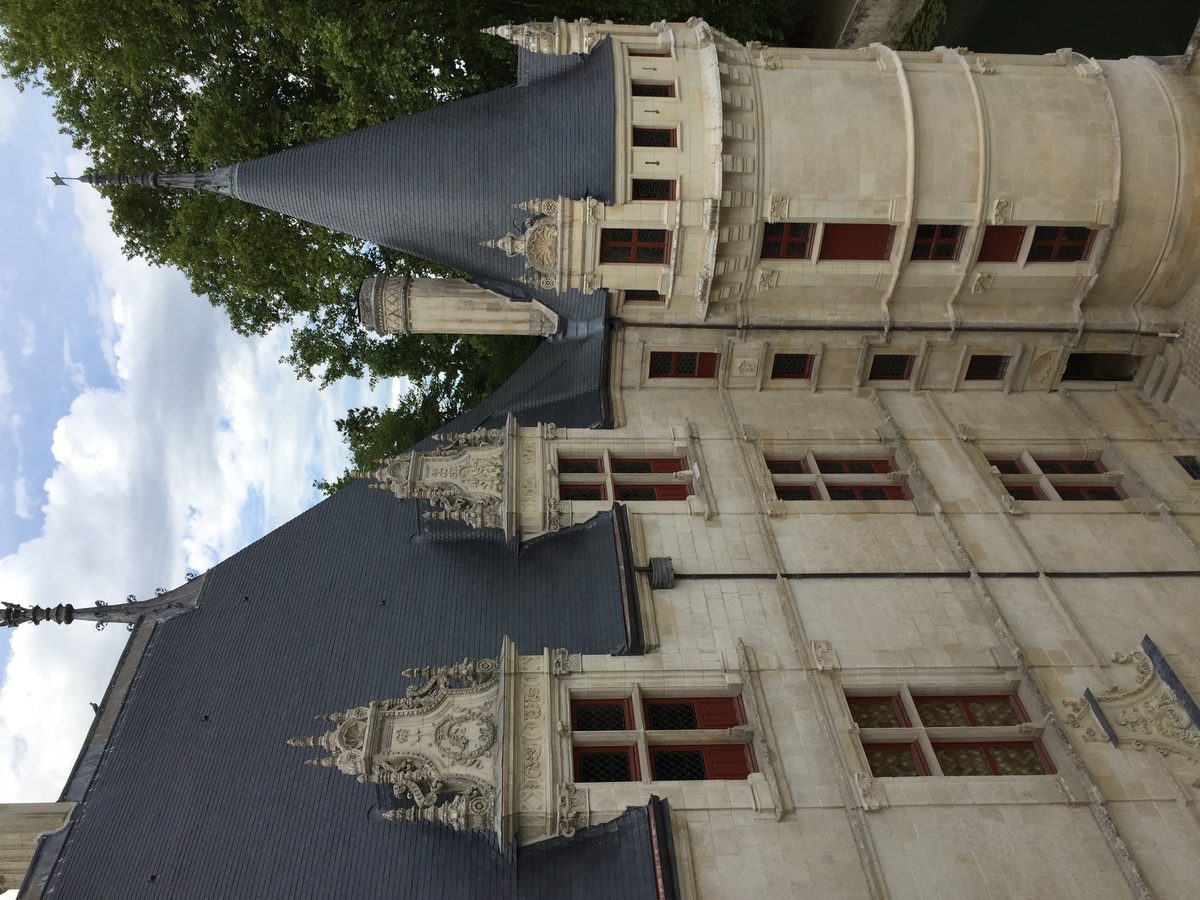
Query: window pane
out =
(654, 137)
(938, 712)
(795, 492)
(604, 716)
(986, 367)
(893, 760)
(937, 242)
(661, 364)
(987, 711)
(1025, 492)
(890, 367)
(678, 765)
(791, 365)
(960, 760)
(1101, 367)
(603, 765)
(1008, 466)
(581, 492)
(653, 189)
(1191, 465)
(876, 712)
(1001, 243)
(648, 296)
(651, 89)
(787, 466)
(1016, 759)
(786, 240)
(578, 466)
(671, 716)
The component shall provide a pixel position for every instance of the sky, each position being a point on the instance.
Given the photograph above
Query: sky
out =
(140, 439)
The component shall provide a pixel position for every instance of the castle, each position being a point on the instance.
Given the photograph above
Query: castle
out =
(840, 540)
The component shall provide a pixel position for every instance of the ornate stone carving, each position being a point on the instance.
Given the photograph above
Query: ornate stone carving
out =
(463, 479)
(746, 366)
(1002, 212)
(779, 208)
(767, 279)
(540, 207)
(1151, 713)
(538, 244)
(564, 662)
(983, 281)
(540, 37)
(572, 809)
(593, 210)
(435, 746)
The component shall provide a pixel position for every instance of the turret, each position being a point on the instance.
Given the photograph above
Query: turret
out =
(391, 304)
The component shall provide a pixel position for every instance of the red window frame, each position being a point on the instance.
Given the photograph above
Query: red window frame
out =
(580, 465)
(566, 490)
(1060, 243)
(712, 713)
(657, 465)
(938, 243)
(988, 746)
(883, 374)
(856, 240)
(644, 246)
(1001, 243)
(912, 747)
(964, 702)
(635, 770)
(633, 492)
(654, 137)
(652, 89)
(722, 762)
(891, 491)
(625, 703)
(787, 240)
(1051, 466)
(893, 700)
(683, 364)
(855, 466)
(652, 189)
(801, 363)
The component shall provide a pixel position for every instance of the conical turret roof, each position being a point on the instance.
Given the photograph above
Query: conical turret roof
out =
(437, 183)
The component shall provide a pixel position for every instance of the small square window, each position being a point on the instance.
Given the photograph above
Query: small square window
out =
(791, 365)
(1001, 243)
(786, 240)
(652, 89)
(653, 189)
(1191, 465)
(594, 765)
(1060, 244)
(1101, 367)
(986, 367)
(634, 245)
(581, 492)
(667, 364)
(643, 297)
(654, 137)
(600, 715)
(891, 367)
(938, 242)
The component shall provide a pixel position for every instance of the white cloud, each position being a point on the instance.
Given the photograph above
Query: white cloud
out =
(28, 335)
(5, 383)
(22, 505)
(151, 479)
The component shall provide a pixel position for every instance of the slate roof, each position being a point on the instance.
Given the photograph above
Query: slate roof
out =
(437, 183)
(196, 785)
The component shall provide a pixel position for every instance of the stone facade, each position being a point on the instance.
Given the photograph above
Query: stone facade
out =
(1024, 519)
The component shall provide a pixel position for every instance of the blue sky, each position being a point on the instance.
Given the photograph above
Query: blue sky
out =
(139, 438)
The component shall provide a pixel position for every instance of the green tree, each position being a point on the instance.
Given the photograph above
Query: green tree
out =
(179, 85)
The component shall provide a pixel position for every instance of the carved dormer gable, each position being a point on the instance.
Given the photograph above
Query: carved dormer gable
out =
(437, 746)
(463, 479)
(559, 243)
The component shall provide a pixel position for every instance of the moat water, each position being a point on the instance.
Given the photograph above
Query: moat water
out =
(1105, 29)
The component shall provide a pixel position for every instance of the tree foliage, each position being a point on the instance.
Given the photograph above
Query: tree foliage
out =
(179, 85)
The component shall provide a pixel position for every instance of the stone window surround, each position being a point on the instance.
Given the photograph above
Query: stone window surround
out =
(605, 677)
(822, 483)
(1012, 373)
(875, 794)
(924, 736)
(683, 443)
(815, 450)
(1067, 450)
(645, 381)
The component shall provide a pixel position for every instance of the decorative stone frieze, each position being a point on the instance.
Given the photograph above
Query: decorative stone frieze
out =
(1155, 712)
